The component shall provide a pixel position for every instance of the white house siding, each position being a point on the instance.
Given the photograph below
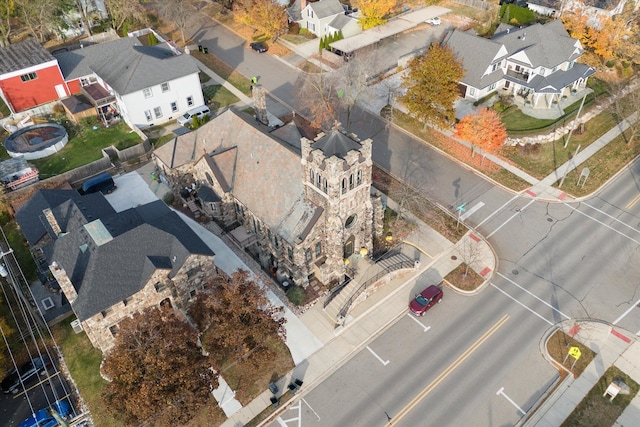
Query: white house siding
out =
(136, 104)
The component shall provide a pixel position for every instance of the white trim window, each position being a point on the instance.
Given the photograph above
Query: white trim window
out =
(147, 114)
(174, 106)
(158, 112)
(148, 93)
(189, 101)
(165, 87)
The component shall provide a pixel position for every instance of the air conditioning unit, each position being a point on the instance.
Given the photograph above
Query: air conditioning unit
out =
(77, 326)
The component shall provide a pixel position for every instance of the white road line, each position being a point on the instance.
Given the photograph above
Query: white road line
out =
(497, 210)
(426, 328)
(550, 323)
(471, 211)
(378, 357)
(612, 217)
(602, 223)
(535, 296)
(623, 315)
(314, 412)
(501, 392)
(510, 218)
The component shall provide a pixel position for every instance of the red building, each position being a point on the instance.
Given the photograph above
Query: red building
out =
(29, 76)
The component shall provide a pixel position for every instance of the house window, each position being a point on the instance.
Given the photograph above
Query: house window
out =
(318, 249)
(147, 114)
(106, 312)
(570, 66)
(541, 71)
(86, 81)
(174, 107)
(159, 287)
(195, 270)
(147, 92)
(359, 179)
(351, 182)
(29, 76)
(310, 13)
(192, 294)
(165, 87)
(494, 67)
(319, 181)
(344, 185)
(324, 185)
(114, 330)
(307, 254)
(472, 91)
(212, 207)
(209, 179)
(311, 176)
(492, 87)
(158, 112)
(189, 101)
(127, 301)
(554, 69)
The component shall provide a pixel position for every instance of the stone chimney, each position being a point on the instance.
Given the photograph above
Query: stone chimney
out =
(260, 103)
(53, 222)
(64, 282)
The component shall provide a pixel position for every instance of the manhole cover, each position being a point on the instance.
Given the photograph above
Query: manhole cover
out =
(550, 219)
(517, 209)
(453, 257)
(515, 272)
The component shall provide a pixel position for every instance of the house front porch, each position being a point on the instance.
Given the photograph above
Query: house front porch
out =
(535, 105)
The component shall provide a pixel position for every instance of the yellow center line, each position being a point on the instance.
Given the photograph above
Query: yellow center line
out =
(633, 202)
(404, 411)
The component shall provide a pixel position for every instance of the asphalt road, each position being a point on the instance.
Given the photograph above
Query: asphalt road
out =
(479, 363)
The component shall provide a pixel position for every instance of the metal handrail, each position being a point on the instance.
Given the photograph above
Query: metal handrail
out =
(393, 267)
(335, 291)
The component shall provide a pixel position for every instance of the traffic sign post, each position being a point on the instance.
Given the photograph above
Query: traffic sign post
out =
(460, 209)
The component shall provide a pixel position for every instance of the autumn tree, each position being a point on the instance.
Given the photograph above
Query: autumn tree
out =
(374, 12)
(7, 12)
(318, 99)
(483, 129)
(157, 371)
(432, 86)
(122, 10)
(575, 22)
(236, 318)
(267, 16)
(42, 17)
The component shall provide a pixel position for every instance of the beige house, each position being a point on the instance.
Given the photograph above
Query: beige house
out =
(299, 206)
(111, 265)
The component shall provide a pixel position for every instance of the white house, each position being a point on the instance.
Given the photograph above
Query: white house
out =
(145, 85)
(316, 16)
(537, 63)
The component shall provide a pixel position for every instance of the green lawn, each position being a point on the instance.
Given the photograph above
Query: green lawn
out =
(83, 361)
(85, 147)
(219, 96)
(597, 410)
(4, 109)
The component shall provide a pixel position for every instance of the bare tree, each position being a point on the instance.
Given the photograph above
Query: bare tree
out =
(7, 12)
(122, 10)
(43, 17)
(318, 99)
(178, 12)
(469, 250)
(626, 104)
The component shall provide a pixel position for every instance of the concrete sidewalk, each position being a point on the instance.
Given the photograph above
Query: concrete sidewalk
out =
(613, 347)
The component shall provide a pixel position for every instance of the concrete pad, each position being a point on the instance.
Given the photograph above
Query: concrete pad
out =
(132, 191)
(226, 398)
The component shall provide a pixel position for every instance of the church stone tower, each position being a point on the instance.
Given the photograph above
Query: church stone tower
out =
(337, 177)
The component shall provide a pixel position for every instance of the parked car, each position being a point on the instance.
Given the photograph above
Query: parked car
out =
(28, 372)
(103, 183)
(425, 300)
(434, 21)
(259, 47)
(44, 417)
(187, 118)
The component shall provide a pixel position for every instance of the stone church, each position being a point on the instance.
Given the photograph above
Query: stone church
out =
(302, 207)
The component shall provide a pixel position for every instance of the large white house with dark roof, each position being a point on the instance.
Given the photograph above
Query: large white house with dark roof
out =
(111, 265)
(300, 207)
(145, 85)
(538, 63)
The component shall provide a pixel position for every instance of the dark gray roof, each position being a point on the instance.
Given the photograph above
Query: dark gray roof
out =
(21, 55)
(76, 104)
(126, 65)
(295, 12)
(476, 54)
(554, 83)
(546, 45)
(336, 143)
(206, 193)
(132, 245)
(326, 8)
(32, 222)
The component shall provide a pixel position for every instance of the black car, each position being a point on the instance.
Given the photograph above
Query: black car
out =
(258, 47)
(28, 372)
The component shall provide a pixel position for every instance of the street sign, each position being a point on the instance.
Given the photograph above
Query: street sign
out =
(575, 352)
(461, 207)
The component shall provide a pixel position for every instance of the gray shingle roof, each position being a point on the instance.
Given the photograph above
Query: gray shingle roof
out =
(340, 21)
(546, 45)
(295, 12)
(141, 240)
(476, 54)
(33, 224)
(126, 65)
(326, 8)
(21, 55)
(336, 143)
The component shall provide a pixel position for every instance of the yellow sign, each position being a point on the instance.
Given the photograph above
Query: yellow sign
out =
(575, 352)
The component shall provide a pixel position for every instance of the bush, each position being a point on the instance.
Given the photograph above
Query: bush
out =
(296, 295)
(304, 31)
(610, 63)
(169, 198)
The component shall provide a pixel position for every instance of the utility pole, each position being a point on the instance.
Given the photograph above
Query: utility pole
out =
(575, 121)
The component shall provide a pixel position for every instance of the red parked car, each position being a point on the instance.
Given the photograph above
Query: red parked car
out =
(425, 300)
